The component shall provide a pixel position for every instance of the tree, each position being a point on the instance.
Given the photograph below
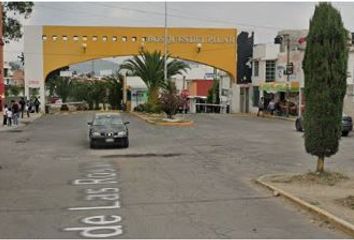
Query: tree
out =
(325, 69)
(15, 90)
(150, 68)
(11, 23)
(34, 92)
(63, 87)
(213, 93)
(114, 86)
(97, 92)
(170, 101)
(52, 79)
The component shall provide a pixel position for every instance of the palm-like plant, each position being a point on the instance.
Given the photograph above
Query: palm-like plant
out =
(114, 86)
(97, 92)
(150, 68)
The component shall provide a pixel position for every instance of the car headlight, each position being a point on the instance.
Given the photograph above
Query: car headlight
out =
(122, 133)
(95, 134)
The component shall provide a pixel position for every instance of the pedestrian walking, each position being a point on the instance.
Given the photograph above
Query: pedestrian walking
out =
(271, 106)
(9, 116)
(4, 123)
(28, 108)
(261, 107)
(22, 103)
(36, 104)
(15, 112)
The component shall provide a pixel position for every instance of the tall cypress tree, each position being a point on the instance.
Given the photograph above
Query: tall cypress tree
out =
(325, 69)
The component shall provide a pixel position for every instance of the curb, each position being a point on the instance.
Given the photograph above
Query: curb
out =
(170, 124)
(336, 221)
(265, 116)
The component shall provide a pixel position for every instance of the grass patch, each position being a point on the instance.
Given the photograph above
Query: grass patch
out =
(325, 178)
(347, 202)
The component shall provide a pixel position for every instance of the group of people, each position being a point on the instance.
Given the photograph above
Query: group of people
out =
(13, 111)
(279, 107)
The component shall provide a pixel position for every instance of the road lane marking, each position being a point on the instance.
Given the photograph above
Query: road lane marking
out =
(100, 226)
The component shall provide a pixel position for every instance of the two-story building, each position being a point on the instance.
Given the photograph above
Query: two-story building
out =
(269, 78)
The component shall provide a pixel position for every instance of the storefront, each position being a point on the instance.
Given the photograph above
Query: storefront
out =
(281, 93)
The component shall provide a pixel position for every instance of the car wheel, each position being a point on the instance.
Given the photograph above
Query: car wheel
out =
(298, 126)
(92, 145)
(126, 143)
(345, 133)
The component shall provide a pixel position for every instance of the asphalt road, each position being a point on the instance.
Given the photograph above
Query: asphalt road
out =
(171, 183)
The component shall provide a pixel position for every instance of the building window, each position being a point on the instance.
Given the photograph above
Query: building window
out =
(270, 71)
(255, 97)
(256, 68)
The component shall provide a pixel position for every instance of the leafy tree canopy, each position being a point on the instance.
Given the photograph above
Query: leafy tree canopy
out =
(325, 69)
(11, 20)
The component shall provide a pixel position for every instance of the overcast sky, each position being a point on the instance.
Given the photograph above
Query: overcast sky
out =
(265, 19)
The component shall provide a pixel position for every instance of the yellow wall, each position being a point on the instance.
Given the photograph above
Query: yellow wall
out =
(218, 49)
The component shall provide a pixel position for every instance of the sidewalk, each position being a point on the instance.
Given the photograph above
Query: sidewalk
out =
(333, 202)
(290, 118)
(22, 122)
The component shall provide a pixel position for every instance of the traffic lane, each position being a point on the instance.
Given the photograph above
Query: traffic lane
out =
(66, 129)
(149, 180)
(45, 163)
(182, 198)
(272, 145)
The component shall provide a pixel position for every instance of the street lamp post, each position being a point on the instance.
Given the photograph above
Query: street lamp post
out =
(165, 45)
(287, 73)
(2, 85)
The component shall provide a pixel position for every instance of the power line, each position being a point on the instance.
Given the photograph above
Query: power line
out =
(234, 24)
(187, 17)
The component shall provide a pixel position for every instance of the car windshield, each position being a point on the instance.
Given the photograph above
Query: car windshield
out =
(107, 120)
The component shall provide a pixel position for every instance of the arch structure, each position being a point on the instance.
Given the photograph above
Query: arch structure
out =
(47, 48)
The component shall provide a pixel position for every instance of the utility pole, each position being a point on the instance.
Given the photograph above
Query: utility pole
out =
(287, 74)
(280, 40)
(2, 86)
(165, 44)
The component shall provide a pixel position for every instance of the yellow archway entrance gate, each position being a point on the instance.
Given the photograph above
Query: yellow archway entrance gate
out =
(48, 48)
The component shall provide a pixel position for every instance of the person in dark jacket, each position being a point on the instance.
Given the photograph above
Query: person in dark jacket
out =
(15, 108)
(4, 123)
(36, 104)
(22, 103)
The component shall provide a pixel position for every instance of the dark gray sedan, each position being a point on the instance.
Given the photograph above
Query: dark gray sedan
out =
(108, 129)
(347, 124)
